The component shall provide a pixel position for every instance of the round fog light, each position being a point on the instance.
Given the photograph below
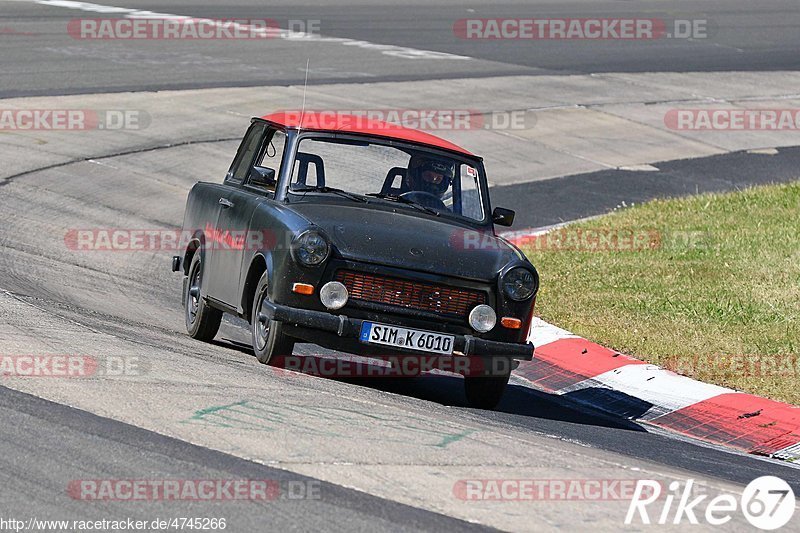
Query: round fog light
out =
(482, 318)
(333, 295)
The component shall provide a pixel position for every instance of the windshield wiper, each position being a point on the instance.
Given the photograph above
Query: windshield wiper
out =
(400, 199)
(332, 190)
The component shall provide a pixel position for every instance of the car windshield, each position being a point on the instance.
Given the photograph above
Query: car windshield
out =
(411, 177)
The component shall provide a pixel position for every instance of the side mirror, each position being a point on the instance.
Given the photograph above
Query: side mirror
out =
(262, 177)
(503, 217)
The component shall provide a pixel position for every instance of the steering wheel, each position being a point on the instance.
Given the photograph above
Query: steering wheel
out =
(424, 198)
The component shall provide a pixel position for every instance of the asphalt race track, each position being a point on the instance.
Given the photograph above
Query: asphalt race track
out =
(40, 58)
(364, 454)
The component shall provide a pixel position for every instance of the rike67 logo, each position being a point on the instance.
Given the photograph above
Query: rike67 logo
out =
(768, 503)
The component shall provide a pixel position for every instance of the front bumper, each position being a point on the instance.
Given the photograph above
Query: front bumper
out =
(350, 328)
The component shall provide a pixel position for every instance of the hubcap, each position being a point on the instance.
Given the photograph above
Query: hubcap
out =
(261, 324)
(193, 298)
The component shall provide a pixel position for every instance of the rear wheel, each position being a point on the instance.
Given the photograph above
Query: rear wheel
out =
(485, 392)
(202, 320)
(268, 337)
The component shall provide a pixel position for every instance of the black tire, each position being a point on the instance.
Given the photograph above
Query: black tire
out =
(485, 392)
(268, 338)
(202, 320)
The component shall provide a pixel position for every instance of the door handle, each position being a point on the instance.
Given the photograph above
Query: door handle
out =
(224, 202)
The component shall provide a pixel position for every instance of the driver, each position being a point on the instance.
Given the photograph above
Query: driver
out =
(429, 175)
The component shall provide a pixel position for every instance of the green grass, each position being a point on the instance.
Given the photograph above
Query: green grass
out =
(715, 293)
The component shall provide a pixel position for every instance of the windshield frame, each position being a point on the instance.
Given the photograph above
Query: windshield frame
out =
(293, 142)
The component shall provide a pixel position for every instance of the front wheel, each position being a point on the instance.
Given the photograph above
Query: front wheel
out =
(268, 337)
(202, 321)
(485, 392)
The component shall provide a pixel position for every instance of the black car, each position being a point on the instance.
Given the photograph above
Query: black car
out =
(359, 236)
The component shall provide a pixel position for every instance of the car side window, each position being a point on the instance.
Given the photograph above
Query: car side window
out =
(267, 165)
(469, 193)
(273, 153)
(246, 154)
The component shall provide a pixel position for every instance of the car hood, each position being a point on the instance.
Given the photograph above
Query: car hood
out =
(404, 239)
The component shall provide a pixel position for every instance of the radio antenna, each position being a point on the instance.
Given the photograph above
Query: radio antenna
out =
(303, 110)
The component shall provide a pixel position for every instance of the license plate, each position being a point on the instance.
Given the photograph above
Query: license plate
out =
(410, 339)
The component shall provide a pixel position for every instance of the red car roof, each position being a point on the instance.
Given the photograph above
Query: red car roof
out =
(331, 121)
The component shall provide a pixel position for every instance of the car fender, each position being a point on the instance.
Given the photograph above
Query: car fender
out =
(279, 223)
(260, 262)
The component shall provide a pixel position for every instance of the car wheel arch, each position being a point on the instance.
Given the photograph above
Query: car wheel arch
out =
(197, 242)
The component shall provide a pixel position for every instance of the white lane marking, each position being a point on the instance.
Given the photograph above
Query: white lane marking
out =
(519, 236)
(386, 49)
(665, 390)
(764, 151)
(790, 453)
(543, 333)
(639, 168)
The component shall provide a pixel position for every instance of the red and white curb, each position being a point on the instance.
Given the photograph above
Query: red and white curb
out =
(619, 385)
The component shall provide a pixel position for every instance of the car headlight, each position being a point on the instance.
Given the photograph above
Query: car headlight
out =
(311, 248)
(519, 284)
(482, 318)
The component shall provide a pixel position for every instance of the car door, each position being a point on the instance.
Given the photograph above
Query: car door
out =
(236, 239)
(236, 206)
